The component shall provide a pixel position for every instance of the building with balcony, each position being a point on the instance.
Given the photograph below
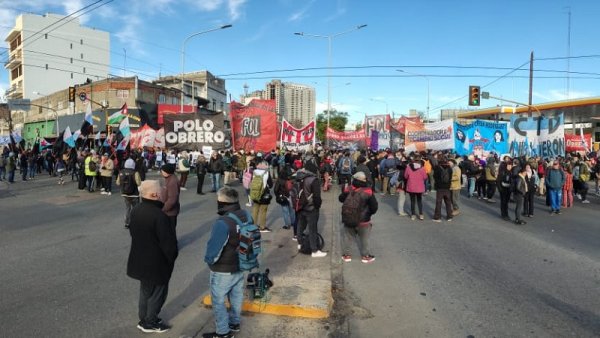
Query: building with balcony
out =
(201, 89)
(39, 49)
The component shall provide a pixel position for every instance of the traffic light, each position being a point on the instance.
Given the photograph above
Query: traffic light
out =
(474, 97)
(71, 94)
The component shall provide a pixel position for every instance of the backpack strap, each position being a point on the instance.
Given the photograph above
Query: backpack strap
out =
(232, 216)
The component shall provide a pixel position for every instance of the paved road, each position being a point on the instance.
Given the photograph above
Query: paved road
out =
(478, 275)
(64, 254)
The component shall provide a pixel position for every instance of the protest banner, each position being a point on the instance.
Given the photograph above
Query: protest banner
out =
(254, 126)
(381, 124)
(297, 139)
(480, 138)
(575, 142)
(194, 130)
(352, 140)
(424, 136)
(533, 136)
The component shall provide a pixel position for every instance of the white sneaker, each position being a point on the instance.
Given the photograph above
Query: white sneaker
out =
(318, 254)
(109, 193)
(299, 246)
(578, 196)
(103, 192)
(183, 188)
(102, 189)
(585, 201)
(248, 204)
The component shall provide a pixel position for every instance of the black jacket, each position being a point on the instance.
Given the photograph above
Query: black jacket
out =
(437, 176)
(216, 166)
(315, 188)
(365, 169)
(370, 206)
(153, 244)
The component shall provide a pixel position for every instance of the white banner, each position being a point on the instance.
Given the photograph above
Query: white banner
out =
(434, 136)
(297, 139)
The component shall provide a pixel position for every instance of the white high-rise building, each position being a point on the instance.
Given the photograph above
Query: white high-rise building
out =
(295, 102)
(48, 53)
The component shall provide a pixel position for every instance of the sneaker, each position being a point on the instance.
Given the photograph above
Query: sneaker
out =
(234, 327)
(578, 196)
(183, 188)
(248, 204)
(103, 192)
(286, 227)
(295, 238)
(437, 220)
(299, 246)
(402, 214)
(449, 219)
(421, 217)
(455, 213)
(109, 193)
(520, 222)
(490, 200)
(102, 189)
(265, 230)
(216, 335)
(413, 217)
(585, 202)
(318, 254)
(347, 258)
(368, 259)
(150, 328)
(557, 212)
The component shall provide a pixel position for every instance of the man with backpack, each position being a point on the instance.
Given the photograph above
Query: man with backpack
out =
(306, 200)
(387, 170)
(442, 179)
(359, 204)
(129, 180)
(222, 257)
(345, 169)
(260, 194)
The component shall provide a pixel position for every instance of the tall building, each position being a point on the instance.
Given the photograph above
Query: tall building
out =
(47, 53)
(295, 102)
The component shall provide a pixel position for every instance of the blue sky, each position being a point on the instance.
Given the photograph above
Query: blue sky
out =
(430, 37)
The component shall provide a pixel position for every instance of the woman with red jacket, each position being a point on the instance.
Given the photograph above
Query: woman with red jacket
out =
(415, 176)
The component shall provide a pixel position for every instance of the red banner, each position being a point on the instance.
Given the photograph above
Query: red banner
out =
(347, 139)
(575, 143)
(297, 139)
(400, 124)
(254, 126)
(173, 109)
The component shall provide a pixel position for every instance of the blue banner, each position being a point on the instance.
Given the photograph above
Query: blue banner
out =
(542, 136)
(481, 138)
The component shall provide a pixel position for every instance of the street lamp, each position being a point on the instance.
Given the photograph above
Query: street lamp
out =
(426, 78)
(382, 101)
(329, 38)
(50, 108)
(183, 55)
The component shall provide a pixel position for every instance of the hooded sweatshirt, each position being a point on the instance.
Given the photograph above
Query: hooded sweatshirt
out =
(415, 178)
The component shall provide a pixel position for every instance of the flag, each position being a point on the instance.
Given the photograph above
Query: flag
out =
(107, 141)
(68, 137)
(583, 141)
(44, 143)
(88, 114)
(76, 135)
(123, 144)
(16, 135)
(124, 127)
(118, 116)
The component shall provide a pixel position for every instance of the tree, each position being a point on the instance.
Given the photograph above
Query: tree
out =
(337, 121)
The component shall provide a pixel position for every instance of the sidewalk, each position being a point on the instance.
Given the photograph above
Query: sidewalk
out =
(301, 300)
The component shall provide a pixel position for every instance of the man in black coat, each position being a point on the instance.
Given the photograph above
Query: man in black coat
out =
(152, 255)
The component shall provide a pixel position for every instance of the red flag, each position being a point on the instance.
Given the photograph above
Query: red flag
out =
(254, 127)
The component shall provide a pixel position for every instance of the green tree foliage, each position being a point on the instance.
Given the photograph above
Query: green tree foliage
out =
(337, 121)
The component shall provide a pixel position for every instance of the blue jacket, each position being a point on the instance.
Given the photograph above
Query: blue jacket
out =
(555, 179)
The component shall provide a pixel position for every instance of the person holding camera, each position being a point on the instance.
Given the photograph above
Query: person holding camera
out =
(226, 278)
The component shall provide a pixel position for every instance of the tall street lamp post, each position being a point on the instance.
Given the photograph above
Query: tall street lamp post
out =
(329, 38)
(183, 56)
(426, 78)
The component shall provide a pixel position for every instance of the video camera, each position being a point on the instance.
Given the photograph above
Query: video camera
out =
(258, 283)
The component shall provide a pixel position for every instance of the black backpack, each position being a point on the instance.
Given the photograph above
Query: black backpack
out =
(128, 183)
(301, 195)
(445, 176)
(92, 166)
(352, 209)
(305, 244)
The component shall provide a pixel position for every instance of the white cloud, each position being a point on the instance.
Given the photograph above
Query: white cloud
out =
(72, 6)
(560, 95)
(235, 8)
(208, 5)
(300, 14)
(340, 10)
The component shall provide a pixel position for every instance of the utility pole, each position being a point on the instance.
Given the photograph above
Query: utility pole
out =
(530, 83)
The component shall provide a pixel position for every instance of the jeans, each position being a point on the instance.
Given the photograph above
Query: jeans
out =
(216, 180)
(308, 219)
(11, 176)
(288, 214)
(90, 182)
(230, 285)
(130, 202)
(31, 170)
(555, 198)
(472, 181)
(349, 236)
(152, 298)
(401, 201)
(2, 173)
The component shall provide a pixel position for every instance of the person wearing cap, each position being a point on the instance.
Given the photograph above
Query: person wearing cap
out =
(555, 179)
(170, 193)
(368, 207)
(106, 171)
(129, 180)
(152, 256)
(226, 278)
